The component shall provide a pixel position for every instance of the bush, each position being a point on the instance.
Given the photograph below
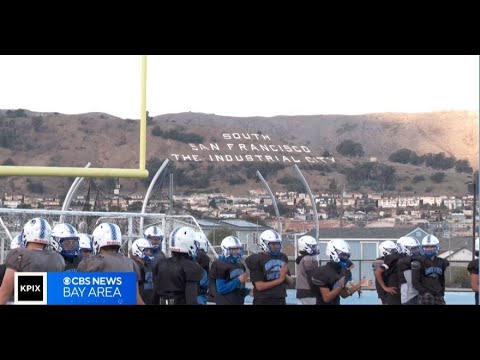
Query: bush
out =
(406, 156)
(16, 113)
(35, 187)
(235, 180)
(439, 161)
(418, 178)
(350, 148)
(9, 162)
(463, 166)
(438, 177)
(37, 123)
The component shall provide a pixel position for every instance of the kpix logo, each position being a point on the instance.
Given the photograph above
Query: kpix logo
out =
(31, 288)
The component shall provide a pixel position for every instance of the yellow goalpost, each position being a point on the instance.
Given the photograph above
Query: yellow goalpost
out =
(141, 172)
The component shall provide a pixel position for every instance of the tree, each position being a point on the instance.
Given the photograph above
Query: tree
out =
(37, 122)
(152, 165)
(332, 211)
(212, 204)
(418, 178)
(463, 166)
(9, 162)
(438, 177)
(406, 156)
(135, 206)
(439, 161)
(333, 185)
(149, 119)
(350, 148)
(24, 206)
(35, 187)
(282, 209)
(109, 183)
(115, 208)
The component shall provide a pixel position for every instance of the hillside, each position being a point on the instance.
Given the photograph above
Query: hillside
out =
(52, 139)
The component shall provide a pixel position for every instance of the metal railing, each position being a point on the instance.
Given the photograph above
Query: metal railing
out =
(12, 221)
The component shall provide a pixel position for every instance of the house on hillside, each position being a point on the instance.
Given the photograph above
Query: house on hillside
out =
(417, 234)
(459, 257)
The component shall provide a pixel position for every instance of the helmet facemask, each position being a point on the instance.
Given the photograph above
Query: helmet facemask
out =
(69, 247)
(344, 259)
(275, 248)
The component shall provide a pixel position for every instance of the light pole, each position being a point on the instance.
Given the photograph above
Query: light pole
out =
(474, 212)
(474, 217)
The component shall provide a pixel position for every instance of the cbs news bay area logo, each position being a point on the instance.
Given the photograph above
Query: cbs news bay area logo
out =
(75, 288)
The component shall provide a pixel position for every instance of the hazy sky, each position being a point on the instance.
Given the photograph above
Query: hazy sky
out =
(240, 85)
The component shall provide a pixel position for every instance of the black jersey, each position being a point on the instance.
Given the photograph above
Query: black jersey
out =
(177, 278)
(145, 285)
(203, 260)
(428, 275)
(227, 271)
(266, 267)
(391, 274)
(327, 276)
(71, 263)
(391, 277)
(403, 264)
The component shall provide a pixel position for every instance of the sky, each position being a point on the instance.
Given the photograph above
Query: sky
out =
(240, 85)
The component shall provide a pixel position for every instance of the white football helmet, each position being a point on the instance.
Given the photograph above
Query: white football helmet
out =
(267, 239)
(37, 230)
(106, 234)
(202, 241)
(182, 240)
(338, 249)
(387, 247)
(228, 244)
(408, 245)
(16, 242)
(138, 249)
(430, 241)
(155, 235)
(62, 232)
(85, 241)
(308, 244)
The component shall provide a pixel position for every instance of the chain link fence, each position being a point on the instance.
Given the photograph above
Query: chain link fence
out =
(13, 220)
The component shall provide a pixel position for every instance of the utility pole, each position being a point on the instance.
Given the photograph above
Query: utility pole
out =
(341, 206)
(170, 188)
(449, 249)
(474, 217)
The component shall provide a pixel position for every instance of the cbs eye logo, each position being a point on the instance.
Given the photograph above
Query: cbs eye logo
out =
(30, 288)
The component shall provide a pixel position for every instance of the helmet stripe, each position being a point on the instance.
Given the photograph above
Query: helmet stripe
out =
(113, 231)
(42, 228)
(71, 229)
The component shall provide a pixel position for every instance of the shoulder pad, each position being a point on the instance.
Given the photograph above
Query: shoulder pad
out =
(415, 265)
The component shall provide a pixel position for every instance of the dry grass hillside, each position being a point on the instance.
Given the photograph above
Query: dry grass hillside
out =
(54, 139)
